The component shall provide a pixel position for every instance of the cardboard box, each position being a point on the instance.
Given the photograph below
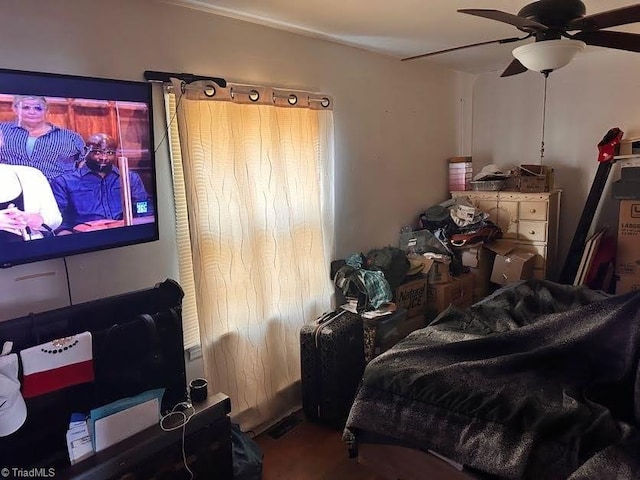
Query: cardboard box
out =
(439, 272)
(627, 283)
(628, 248)
(460, 173)
(629, 146)
(543, 170)
(510, 264)
(531, 179)
(629, 173)
(480, 262)
(625, 189)
(412, 296)
(532, 184)
(459, 292)
(519, 183)
(460, 160)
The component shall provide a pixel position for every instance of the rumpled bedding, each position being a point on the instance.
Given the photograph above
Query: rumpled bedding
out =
(538, 381)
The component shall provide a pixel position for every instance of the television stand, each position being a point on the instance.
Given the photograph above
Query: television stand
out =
(154, 453)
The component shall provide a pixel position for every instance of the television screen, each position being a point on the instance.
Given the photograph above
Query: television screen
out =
(77, 166)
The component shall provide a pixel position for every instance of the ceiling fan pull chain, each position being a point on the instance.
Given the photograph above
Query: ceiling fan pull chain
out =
(544, 115)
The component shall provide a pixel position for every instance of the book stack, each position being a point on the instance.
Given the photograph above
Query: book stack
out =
(460, 174)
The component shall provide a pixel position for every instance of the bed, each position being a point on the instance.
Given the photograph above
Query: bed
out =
(537, 381)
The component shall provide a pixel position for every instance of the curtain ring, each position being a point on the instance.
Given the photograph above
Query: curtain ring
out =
(253, 94)
(291, 98)
(324, 101)
(209, 90)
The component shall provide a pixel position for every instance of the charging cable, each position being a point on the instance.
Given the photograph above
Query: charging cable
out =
(185, 411)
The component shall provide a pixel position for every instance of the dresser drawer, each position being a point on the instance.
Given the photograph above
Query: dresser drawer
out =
(503, 214)
(533, 211)
(532, 231)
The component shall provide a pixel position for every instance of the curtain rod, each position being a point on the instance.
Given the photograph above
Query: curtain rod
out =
(153, 76)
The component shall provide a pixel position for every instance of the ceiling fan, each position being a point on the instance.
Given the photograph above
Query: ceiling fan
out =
(548, 21)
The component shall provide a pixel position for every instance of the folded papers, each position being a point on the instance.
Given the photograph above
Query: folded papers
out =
(78, 439)
(118, 420)
(115, 428)
(112, 423)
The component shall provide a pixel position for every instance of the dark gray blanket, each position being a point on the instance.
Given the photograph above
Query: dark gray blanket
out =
(538, 381)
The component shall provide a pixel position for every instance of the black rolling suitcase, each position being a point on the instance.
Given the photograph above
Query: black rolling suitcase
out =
(332, 363)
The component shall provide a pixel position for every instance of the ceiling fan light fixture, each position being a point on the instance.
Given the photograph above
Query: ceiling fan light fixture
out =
(547, 55)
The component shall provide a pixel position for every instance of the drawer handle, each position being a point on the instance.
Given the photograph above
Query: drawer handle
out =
(533, 210)
(532, 232)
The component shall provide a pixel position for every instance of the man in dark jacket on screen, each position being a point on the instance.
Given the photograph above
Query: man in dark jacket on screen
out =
(92, 193)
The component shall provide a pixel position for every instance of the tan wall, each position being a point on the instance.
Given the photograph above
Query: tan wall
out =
(594, 93)
(395, 122)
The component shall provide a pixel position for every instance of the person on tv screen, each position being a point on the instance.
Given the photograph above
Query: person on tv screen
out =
(28, 209)
(33, 141)
(90, 197)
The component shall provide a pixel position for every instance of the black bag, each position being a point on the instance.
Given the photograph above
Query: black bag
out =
(332, 363)
(392, 262)
(130, 358)
(247, 456)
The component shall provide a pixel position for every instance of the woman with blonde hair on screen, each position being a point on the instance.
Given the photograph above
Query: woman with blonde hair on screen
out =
(31, 140)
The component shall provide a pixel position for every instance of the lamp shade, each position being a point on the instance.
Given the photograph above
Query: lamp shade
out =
(547, 55)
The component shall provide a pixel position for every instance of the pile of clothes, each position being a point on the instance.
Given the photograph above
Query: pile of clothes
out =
(457, 223)
(372, 278)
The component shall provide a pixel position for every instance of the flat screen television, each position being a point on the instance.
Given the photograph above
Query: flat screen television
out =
(77, 165)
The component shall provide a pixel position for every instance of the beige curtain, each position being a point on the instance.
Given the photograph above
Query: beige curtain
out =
(258, 181)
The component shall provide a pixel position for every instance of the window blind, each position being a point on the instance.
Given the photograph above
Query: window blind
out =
(190, 326)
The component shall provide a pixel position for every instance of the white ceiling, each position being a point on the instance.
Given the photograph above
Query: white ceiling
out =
(400, 28)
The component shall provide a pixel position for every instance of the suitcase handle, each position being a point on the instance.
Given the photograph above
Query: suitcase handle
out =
(325, 317)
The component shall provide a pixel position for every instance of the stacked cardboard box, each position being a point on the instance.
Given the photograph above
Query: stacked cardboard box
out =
(458, 292)
(628, 249)
(628, 187)
(512, 263)
(629, 146)
(412, 296)
(460, 173)
(531, 179)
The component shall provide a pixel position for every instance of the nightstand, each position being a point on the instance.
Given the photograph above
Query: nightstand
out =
(154, 453)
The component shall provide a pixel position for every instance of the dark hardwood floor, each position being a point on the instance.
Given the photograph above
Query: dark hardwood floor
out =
(310, 452)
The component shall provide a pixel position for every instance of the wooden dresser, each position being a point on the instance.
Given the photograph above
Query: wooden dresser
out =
(529, 219)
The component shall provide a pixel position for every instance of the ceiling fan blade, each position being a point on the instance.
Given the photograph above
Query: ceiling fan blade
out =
(520, 22)
(610, 18)
(502, 40)
(514, 68)
(617, 40)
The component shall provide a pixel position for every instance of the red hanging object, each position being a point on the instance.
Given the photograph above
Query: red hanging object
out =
(608, 145)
